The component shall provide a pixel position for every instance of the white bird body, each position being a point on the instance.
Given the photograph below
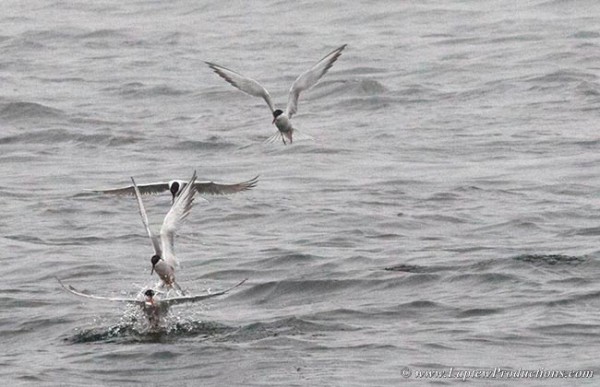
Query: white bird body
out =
(306, 80)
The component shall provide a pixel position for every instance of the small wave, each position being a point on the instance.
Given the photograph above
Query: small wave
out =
(357, 87)
(28, 110)
(586, 35)
(550, 259)
(563, 76)
(290, 326)
(140, 90)
(102, 34)
(62, 135)
(212, 143)
(575, 330)
(478, 312)
(406, 268)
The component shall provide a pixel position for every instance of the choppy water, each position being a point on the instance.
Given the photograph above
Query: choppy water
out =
(447, 214)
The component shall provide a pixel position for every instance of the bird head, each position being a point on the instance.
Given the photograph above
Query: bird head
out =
(276, 114)
(149, 294)
(154, 260)
(174, 188)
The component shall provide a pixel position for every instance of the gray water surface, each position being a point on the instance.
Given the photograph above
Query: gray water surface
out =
(447, 213)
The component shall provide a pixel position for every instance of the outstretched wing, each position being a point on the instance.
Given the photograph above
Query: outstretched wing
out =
(178, 212)
(182, 300)
(245, 84)
(145, 189)
(309, 78)
(79, 293)
(153, 239)
(210, 187)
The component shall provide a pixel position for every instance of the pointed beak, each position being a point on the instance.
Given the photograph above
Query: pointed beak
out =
(274, 120)
(152, 271)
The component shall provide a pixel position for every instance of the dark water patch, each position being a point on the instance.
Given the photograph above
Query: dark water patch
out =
(341, 314)
(517, 38)
(419, 304)
(286, 260)
(360, 70)
(562, 76)
(81, 241)
(484, 278)
(370, 104)
(286, 327)
(102, 34)
(457, 41)
(438, 346)
(478, 312)
(444, 197)
(588, 89)
(53, 136)
(406, 268)
(588, 231)
(550, 259)
(13, 111)
(212, 143)
(586, 35)
(443, 218)
(139, 90)
(131, 332)
(573, 299)
(572, 330)
(516, 224)
(310, 290)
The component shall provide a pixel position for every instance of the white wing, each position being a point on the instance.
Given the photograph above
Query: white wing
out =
(210, 187)
(168, 301)
(309, 78)
(145, 189)
(76, 292)
(181, 300)
(202, 187)
(247, 85)
(153, 239)
(178, 212)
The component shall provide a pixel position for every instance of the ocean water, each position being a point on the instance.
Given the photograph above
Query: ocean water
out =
(445, 218)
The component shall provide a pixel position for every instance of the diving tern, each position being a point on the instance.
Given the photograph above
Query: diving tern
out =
(164, 260)
(154, 306)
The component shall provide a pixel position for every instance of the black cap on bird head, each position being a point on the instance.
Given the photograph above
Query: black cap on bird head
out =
(276, 114)
(154, 260)
(149, 296)
(174, 188)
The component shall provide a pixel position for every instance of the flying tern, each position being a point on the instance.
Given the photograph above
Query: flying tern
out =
(176, 186)
(306, 80)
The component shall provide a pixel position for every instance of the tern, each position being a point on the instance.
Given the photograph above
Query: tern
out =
(164, 260)
(154, 306)
(176, 186)
(306, 80)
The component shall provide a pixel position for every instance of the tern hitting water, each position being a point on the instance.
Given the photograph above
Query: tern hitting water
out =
(154, 306)
(176, 186)
(305, 81)
(164, 260)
